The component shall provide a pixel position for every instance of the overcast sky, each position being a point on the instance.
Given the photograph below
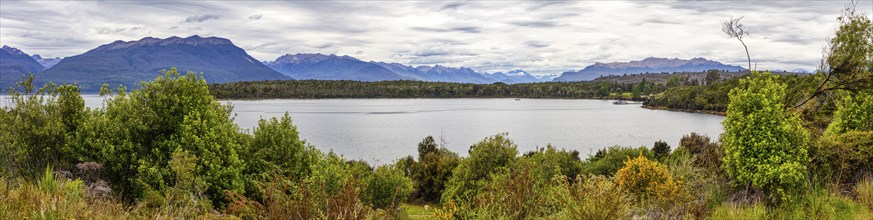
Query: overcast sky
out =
(540, 37)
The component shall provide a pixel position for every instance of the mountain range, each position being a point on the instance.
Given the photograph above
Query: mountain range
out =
(129, 62)
(14, 64)
(648, 65)
(333, 67)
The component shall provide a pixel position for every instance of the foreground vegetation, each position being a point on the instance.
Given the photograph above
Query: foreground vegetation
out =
(169, 149)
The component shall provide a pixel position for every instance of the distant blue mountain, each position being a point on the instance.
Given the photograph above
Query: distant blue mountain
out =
(512, 77)
(128, 63)
(650, 65)
(46, 62)
(439, 73)
(333, 67)
(14, 64)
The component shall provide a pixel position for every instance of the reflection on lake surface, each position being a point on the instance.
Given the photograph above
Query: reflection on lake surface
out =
(382, 130)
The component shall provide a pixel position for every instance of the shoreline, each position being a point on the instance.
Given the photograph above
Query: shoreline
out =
(685, 110)
(471, 97)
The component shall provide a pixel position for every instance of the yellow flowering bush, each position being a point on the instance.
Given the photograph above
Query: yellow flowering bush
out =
(647, 179)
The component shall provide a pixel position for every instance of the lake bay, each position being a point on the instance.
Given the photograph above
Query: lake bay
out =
(382, 130)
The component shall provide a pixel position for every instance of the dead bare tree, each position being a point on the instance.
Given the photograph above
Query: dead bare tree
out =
(734, 29)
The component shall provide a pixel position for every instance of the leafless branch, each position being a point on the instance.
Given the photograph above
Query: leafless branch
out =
(734, 29)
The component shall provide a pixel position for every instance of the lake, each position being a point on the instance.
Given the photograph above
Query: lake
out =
(382, 130)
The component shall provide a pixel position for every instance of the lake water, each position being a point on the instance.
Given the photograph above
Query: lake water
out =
(382, 130)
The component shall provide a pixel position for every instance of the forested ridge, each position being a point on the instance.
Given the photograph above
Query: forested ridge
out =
(420, 89)
(169, 149)
(714, 97)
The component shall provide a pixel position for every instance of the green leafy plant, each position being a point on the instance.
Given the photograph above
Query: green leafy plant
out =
(765, 146)
(608, 161)
(275, 150)
(595, 197)
(386, 188)
(432, 170)
(490, 156)
(661, 149)
(854, 113)
(135, 135)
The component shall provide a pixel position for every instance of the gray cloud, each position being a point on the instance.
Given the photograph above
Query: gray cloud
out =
(201, 18)
(28, 34)
(661, 20)
(322, 46)
(454, 29)
(262, 46)
(537, 44)
(452, 6)
(543, 24)
(541, 37)
(428, 53)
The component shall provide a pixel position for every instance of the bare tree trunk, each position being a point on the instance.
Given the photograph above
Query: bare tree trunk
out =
(749, 57)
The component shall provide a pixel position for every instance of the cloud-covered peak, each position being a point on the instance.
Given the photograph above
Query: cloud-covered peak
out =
(193, 40)
(308, 58)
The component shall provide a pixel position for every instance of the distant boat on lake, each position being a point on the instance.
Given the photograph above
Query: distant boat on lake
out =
(623, 102)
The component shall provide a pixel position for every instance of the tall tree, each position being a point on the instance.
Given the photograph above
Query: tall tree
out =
(848, 60)
(765, 146)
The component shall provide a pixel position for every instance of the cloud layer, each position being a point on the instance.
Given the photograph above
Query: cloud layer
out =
(541, 37)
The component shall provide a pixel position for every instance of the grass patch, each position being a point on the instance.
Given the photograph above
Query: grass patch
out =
(732, 211)
(820, 204)
(415, 211)
(864, 191)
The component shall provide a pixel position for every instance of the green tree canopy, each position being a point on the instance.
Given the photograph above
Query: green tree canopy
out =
(135, 135)
(764, 145)
(432, 170)
(490, 156)
(275, 150)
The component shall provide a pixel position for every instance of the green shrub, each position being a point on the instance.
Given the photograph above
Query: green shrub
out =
(136, 134)
(275, 149)
(854, 113)
(493, 155)
(361, 169)
(843, 159)
(432, 170)
(764, 145)
(37, 127)
(706, 153)
(329, 192)
(550, 162)
(661, 149)
(386, 188)
(595, 197)
(608, 161)
(427, 146)
(704, 189)
(524, 192)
